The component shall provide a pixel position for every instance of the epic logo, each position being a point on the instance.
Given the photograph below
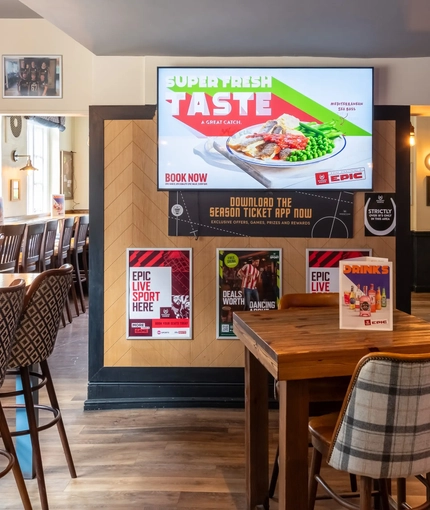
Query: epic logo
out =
(321, 178)
(354, 174)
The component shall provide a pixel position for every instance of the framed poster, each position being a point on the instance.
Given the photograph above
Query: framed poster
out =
(67, 174)
(37, 76)
(247, 279)
(322, 267)
(159, 293)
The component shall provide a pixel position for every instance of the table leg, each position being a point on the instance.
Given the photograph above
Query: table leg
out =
(256, 433)
(293, 445)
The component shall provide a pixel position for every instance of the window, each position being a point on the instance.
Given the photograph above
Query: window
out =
(41, 143)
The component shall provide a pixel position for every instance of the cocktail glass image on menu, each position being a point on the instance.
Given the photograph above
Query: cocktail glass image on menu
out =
(366, 288)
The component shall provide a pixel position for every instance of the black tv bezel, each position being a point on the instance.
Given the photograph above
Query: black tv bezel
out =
(352, 190)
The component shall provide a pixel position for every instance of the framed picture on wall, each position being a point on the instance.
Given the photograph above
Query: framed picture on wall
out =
(66, 174)
(32, 76)
(15, 193)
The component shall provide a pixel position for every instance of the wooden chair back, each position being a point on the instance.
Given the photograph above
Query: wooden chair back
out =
(82, 224)
(48, 246)
(9, 255)
(33, 241)
(308, 300)
(66, 234)
(40, 318)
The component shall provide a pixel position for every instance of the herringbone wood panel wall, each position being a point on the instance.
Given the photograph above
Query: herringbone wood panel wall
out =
(136, 216)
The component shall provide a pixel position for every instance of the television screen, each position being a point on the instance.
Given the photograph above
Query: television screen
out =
(265, 128)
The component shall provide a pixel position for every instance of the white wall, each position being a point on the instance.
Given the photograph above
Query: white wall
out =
(37, 36)
(91, 80)
(11, 170)
(81, 164)
(393, 83)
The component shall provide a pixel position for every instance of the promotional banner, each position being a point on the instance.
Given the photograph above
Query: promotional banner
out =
(261, 214)
(159, 293)
(58, 205)
(260, 128)
(248, 279)
(368, 282)
(380, 214)
(322, 268)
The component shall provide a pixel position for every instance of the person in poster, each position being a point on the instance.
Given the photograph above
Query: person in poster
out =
(248, 280)
(250, 277)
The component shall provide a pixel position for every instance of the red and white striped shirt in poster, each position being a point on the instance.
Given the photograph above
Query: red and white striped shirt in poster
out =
(250, 275)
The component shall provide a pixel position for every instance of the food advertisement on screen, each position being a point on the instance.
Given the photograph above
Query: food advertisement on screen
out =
(159, 293)
(247, 279)
(322, 267)
(265, 128)
(365, 294)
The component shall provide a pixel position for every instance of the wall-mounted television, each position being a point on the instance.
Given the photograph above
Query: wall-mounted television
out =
(265, 128)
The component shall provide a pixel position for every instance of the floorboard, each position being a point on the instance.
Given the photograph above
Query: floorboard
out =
(150, 459)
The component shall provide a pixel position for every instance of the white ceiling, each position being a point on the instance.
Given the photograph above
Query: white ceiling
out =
(334, 28)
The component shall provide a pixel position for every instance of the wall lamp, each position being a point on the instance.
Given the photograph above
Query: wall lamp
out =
(28, 166)
(427, 161)
(411, 135)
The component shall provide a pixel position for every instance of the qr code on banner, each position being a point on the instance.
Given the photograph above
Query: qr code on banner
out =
(225, 328)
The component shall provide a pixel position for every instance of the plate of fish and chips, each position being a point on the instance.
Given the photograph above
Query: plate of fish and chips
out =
(286, 142)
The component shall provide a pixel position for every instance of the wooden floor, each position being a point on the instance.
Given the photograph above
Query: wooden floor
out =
(156, 459)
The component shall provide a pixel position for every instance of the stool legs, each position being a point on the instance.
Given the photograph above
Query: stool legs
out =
(75, 262)
(61, 430)
(312, 483)
(275, 474)
(8, 443)
(32, 425)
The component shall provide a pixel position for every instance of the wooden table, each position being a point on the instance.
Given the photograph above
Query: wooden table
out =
(297, 346)
(7, 278)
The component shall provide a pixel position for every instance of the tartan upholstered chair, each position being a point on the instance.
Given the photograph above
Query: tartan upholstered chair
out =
(11, 300)
(34, 342)
(382, 432)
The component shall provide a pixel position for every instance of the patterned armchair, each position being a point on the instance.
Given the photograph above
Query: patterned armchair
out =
(11, 301)
(34, 342)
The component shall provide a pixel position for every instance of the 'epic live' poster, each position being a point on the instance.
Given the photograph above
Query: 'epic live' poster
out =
(158, 293)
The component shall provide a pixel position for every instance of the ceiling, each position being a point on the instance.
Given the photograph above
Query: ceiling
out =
(314, 28)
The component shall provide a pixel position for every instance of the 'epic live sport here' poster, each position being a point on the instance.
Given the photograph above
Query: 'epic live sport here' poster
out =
(248, 279)
(158, 293)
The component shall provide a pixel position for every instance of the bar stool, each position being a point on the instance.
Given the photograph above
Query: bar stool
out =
(48, 245)
(34, 342)
(9, 256)
(11, 301)
(31, 253)
(79, 247)
(62, 256)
